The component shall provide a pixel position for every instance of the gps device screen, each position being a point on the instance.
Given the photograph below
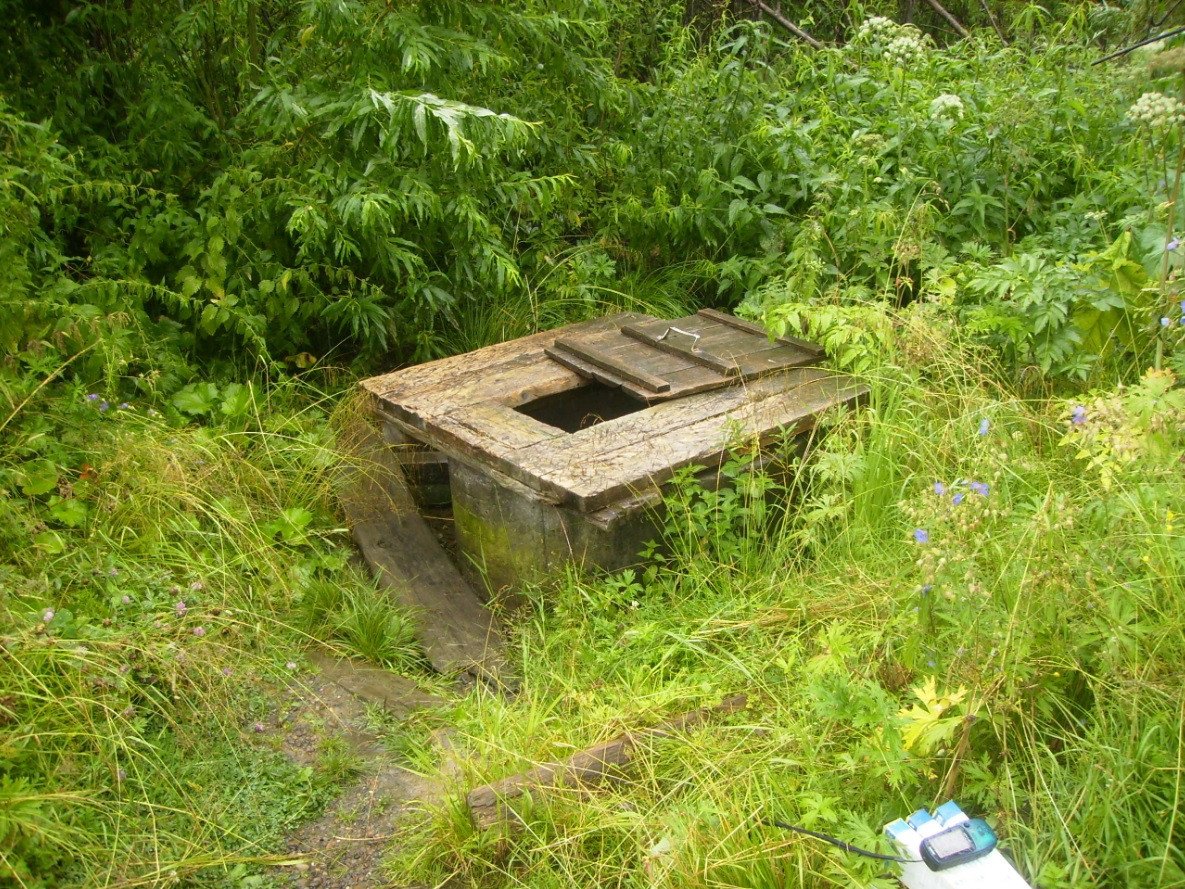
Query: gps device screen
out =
(958, 845)
(951, 842)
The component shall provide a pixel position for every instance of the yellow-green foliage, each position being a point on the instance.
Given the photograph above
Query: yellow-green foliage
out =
(1022, 655)
(158, 577)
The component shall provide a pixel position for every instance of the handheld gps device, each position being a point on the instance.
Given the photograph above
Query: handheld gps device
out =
(957, 845)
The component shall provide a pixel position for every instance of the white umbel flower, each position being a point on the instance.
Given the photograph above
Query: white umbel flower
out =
(877, 29)
(884, 38)
(947, 107)
(1157, 111)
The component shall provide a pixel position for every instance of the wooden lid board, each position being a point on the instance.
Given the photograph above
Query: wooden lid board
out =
(654, 360)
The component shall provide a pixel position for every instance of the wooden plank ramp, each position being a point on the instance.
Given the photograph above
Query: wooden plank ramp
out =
(458, 633)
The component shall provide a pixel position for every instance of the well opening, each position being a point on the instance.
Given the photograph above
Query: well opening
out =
(582, 407)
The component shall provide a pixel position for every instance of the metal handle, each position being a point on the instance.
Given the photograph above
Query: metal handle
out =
(694, 336)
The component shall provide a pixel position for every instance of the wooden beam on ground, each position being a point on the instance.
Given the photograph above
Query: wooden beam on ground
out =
(490, 803)
(458, 632)
(780, 18)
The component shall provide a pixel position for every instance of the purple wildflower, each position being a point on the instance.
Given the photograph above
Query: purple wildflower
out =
(257, 728)
(921, 535)
(939, 488)
(92, 397)
(199, 631)
(128, 712)
(926, 589)
(958, 498)
(125, 406)
(181, 608)
(1173, 244)
(980, 488)
(1165, 322)
(984, 426)
(48, 615)
(103, 405)
(127, 600)
(226, 671)
(1078, 415)
(197, 586)
(291, 665)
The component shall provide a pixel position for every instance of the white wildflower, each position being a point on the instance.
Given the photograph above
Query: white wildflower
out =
(877, 29)
(905, 49)
(947, 107)
(1157, 111)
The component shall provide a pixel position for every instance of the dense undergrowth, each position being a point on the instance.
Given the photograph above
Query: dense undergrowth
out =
(212, 214)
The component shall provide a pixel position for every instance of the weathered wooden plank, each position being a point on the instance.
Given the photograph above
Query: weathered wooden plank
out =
(598, 465)
(758, 330)
(724, 367)
(490, 804)
(730, 343)
(458, 633)
(447, 374)
(625, 370)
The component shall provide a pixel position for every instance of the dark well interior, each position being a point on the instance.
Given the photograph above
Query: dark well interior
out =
(582, 407)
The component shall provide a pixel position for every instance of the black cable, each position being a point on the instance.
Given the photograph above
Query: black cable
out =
(847, 847)
(1122, 52)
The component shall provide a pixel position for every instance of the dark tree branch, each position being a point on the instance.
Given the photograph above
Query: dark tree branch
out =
(776, 15)
(954, 22)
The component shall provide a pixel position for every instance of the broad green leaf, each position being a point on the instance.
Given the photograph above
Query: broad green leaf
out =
(196, 398)
(50, 541)
(70, 512)
(38, 477)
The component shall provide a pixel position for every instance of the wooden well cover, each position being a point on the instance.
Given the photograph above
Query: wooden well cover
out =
(654, 360)
(693, 392)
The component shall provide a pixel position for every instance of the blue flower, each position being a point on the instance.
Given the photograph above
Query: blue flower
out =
(958, 498)
(980, 488)
(103, 406)
(984, 426)
(1165, 322)
(921, 535)
(92, 397)
(1183, 307)
(1078, 415)
(926, 589)
(939, 488)
(1173, 244)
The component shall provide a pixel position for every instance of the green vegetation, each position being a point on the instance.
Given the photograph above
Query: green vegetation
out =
(215, 216)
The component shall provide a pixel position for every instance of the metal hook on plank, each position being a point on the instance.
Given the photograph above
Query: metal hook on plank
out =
(672, 329)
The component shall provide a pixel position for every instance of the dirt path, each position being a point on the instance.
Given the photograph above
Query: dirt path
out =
(344, 847)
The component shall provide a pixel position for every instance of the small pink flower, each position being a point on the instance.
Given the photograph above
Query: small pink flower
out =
(181, 608)
(226, 671)
(257, 728)
(291, 665)
(48, 615)
(127, 600)
(197, 586)
(199, 631)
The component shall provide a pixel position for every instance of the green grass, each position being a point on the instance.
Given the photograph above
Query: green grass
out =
(186, 567)
(1055, 608)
